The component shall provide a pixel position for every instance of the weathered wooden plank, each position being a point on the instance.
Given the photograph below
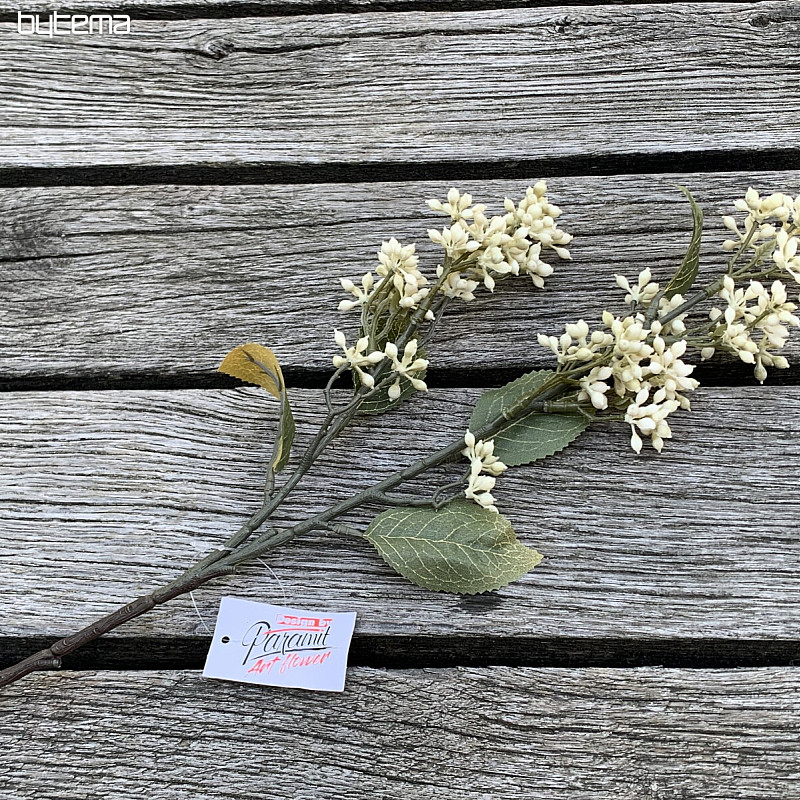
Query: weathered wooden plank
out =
(197, 8)
(455, 734)
(406, 87)
(164, 280)
(106, 495)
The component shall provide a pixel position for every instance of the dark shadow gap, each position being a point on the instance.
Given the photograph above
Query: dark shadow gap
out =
(732, 374)
(450, 171)
(188, 11)
(416, 652)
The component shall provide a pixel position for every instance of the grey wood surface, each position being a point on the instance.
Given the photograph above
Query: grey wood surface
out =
(456, 734)
(106, 495)
(413, 87)
(198, 8)
(162, 280)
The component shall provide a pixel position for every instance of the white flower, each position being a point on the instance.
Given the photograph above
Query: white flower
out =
(643, 291)
(538, 215)
(482, 459)
(394, 257)
(771, 314)
(630, 349)
(650, 419)
(406, 367)
(535, 267)
(767, 218)
(400, 262)
(362, 294)
(576, 343)
(356, 357)
(455, 240)
(458, 206)
(676, 326)
(668, 374)
(594, 387)
(411, 296)
(785, 254)
(456, 286)
(738, 324)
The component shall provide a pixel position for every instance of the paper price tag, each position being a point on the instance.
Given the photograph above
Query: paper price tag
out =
(279, 646)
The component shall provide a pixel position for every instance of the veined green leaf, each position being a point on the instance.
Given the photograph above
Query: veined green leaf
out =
(535, 436)
(257, 364)
(683, 279)
(461, 548)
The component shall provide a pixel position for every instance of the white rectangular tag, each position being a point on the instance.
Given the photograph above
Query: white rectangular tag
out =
(279, 646)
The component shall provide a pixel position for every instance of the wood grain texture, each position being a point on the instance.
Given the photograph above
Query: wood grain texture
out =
(421, 87)
(164, 9)
(106, 495)
(456, 734)
(164, 280)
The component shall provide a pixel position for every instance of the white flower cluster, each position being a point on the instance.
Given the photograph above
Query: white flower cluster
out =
(753, 310)
(646, 373)
(775, 217)
(755, 321)
(396, 262)
(359, 360)
(482, 460)
(508, 244)
(479, 249)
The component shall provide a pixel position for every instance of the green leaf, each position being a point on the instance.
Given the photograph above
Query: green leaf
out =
(684, 278)
(533, 437)
(257, 364)
(461, 548)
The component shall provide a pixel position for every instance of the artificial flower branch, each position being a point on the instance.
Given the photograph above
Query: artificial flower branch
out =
(631, 368)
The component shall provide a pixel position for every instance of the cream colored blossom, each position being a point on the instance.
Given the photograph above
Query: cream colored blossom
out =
(407, 367)
(457, 286)
(643, 291)
(455, 240)
(675, 327)
(357, 357)
(785, 254)
(362, 293)
(649, 419)
(458, 206)
(668, 374)
(630, 350)
(753, 331)
(577, 343)
(482, 460)
(535, 267)
(594, 387)
(394, 257)
(535, 212)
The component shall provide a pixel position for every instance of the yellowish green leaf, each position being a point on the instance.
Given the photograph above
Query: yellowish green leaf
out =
(257, 364)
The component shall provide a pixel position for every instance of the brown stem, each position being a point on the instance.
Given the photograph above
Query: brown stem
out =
(50, 658)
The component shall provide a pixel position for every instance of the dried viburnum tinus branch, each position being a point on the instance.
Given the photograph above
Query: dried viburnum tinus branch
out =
(634, 364)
